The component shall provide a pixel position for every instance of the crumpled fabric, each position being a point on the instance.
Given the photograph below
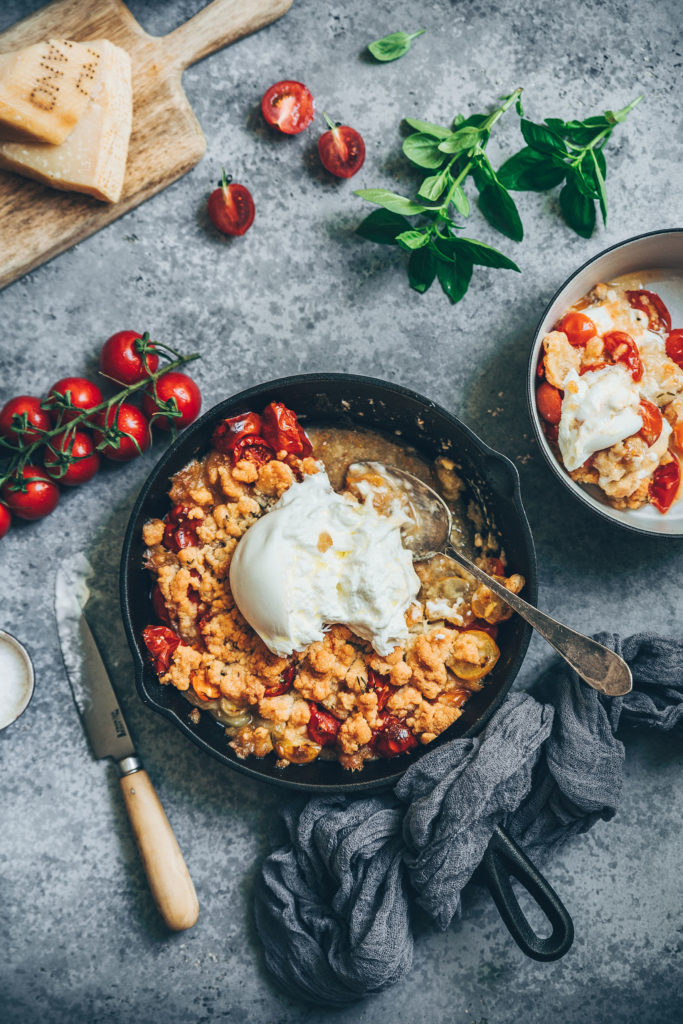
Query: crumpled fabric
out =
(335, 898)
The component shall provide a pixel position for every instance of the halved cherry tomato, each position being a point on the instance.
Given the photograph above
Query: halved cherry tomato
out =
(180, 531)
(393, 738)
(35, 417)
(202, 687)
(288, 106)
(229, 431)
(481, 625)
(159, 605)
(78, 461)
(231, 207)
(488, 652)
(674, 347)
(549, 402)
(650, 303)
(39, 497)
(253, 449)
(283, 432)
(678, 434)
(664, 485)
(322, 726)
(83, 395)
(134, 435)
(285, 684)
(5, 520)
(578, 327)
(177, 391)
(341, 150)
(381, 686)
(160, 642)
(456, 698)
(128, 357)
(652, 422)
(623, 349)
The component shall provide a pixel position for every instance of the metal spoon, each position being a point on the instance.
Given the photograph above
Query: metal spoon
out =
(597, 665)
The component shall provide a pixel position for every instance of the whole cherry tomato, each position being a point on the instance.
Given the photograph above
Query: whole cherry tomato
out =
(488, 652)
(83, 395)
(674, 347)
(549, 402)
(393, 738)
(79, 461)
(652, 422)
(175, 388)
(648, 302)
(322, 726)
(159, 605)
(578, 327)
(288, 106)
(231, 207)
(134, 428)
(285, 684)
(664, 485)
(35, 417)
(128, 357)
(283, 432)
(623, 349)
(5, 519)
(160, 642)
(231, 430)
(37, 500)
(341, 150)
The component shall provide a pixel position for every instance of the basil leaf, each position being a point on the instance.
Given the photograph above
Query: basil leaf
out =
(577, 209)
(390, 201)
(600, 183)
(427, 128)
(422, 269)
(464, 138)
(454, 277)
(461, 202)
(383, 227)
(498, 206)
(583, 177)
(423, 150)
(480, 253)
(531, 171)
(473, 121)
(600, 157)
(540, 137)
(412, 239)
(431, 188)
(393, 46)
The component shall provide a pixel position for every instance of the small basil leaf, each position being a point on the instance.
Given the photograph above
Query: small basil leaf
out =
(531, 171)
(458, 120)
(454, 277)
(577, 209)
(498, 206)
(412, 239)
(518, 106)
(383, 227)
(461, 202)
(541, 137)
(461, 140)
(480, 253)
(583, 177)
(482, 173)
(427, 128)
(423, 150)
(474, 121)
(433, 187)
(393, 46)
(390, 201)
(422, 269)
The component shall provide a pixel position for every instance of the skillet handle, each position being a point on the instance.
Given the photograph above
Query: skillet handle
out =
(503, 858)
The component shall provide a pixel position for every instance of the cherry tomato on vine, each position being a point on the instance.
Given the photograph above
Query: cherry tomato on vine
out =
(578, 327)
(182, 390)
(132, 423)
(79, 457)
(5, 520)
(288, 106)
(341, 149)
(674, 347)
(39, 498)
(549, 402)
(128, 357)
(36, 417)
(231, 207)
(83, 395)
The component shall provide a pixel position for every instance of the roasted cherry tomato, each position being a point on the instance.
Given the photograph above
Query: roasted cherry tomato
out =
(322, 726)
(161, 642)
(488, 656)
(181, 531)
(176, 391)
(381, 686)
(159, 605)
(134, 429)
(623, 349)
(591, 368)
(285, 684)
(578, 327)
(82, 393)
(481, 625)
(5, 519)
(540, 366)
(128, 357)
(341, 150)
(288, 106)
(253, 449)
(664, 485)
(549, 402)
(678, 434)
(35, 417)
(674, 347)
(657, 313)
(652, 421)
(456, 698)
(393, 738)
(231, 207)
(202, 687)
(283, 432)
(229, 431)
(75, 460)
(39, 497)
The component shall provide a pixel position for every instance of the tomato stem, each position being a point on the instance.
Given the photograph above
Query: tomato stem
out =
(332, 124)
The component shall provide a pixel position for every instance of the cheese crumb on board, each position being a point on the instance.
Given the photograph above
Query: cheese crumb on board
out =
(44, 90)
(93, 157)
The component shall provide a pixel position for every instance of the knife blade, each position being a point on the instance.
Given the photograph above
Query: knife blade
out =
(106, 729)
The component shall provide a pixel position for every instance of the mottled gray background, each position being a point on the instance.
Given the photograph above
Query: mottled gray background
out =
(80, 938)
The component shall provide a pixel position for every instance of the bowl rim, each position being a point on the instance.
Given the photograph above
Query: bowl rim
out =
(158, 470)
(605, 512)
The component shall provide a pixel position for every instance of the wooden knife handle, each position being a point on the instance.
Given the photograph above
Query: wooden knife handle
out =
(165, 867)
(219, 23)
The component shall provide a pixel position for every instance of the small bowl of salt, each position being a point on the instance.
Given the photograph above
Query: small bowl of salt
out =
(16, 679)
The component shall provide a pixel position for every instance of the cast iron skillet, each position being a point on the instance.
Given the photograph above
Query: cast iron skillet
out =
(347, 401)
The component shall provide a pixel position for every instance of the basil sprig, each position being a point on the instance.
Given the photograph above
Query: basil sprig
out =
(450, 155)
(393, 46)
(571, 152)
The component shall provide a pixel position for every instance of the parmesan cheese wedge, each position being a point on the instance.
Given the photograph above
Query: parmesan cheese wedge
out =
(44, 89)
(93, 157)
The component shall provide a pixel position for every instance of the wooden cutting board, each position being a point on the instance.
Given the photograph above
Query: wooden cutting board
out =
(37, 222)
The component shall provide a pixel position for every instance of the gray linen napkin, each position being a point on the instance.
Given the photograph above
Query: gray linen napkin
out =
(333, 898)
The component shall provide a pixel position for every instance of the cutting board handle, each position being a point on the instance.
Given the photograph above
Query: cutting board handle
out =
(219, 23)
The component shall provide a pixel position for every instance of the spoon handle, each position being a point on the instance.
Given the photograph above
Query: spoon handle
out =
(597, 665)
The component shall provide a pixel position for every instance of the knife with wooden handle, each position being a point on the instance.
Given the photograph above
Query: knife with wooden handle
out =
(105, 727)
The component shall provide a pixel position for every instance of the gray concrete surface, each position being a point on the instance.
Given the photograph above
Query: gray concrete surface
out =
(81, 941)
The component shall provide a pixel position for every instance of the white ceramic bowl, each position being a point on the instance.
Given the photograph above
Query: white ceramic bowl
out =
(660, 254)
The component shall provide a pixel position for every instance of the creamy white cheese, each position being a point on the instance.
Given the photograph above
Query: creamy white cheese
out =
(318, 558)
(598, 409)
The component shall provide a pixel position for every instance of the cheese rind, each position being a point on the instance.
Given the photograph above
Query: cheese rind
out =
(93, 157)
(44, 89)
